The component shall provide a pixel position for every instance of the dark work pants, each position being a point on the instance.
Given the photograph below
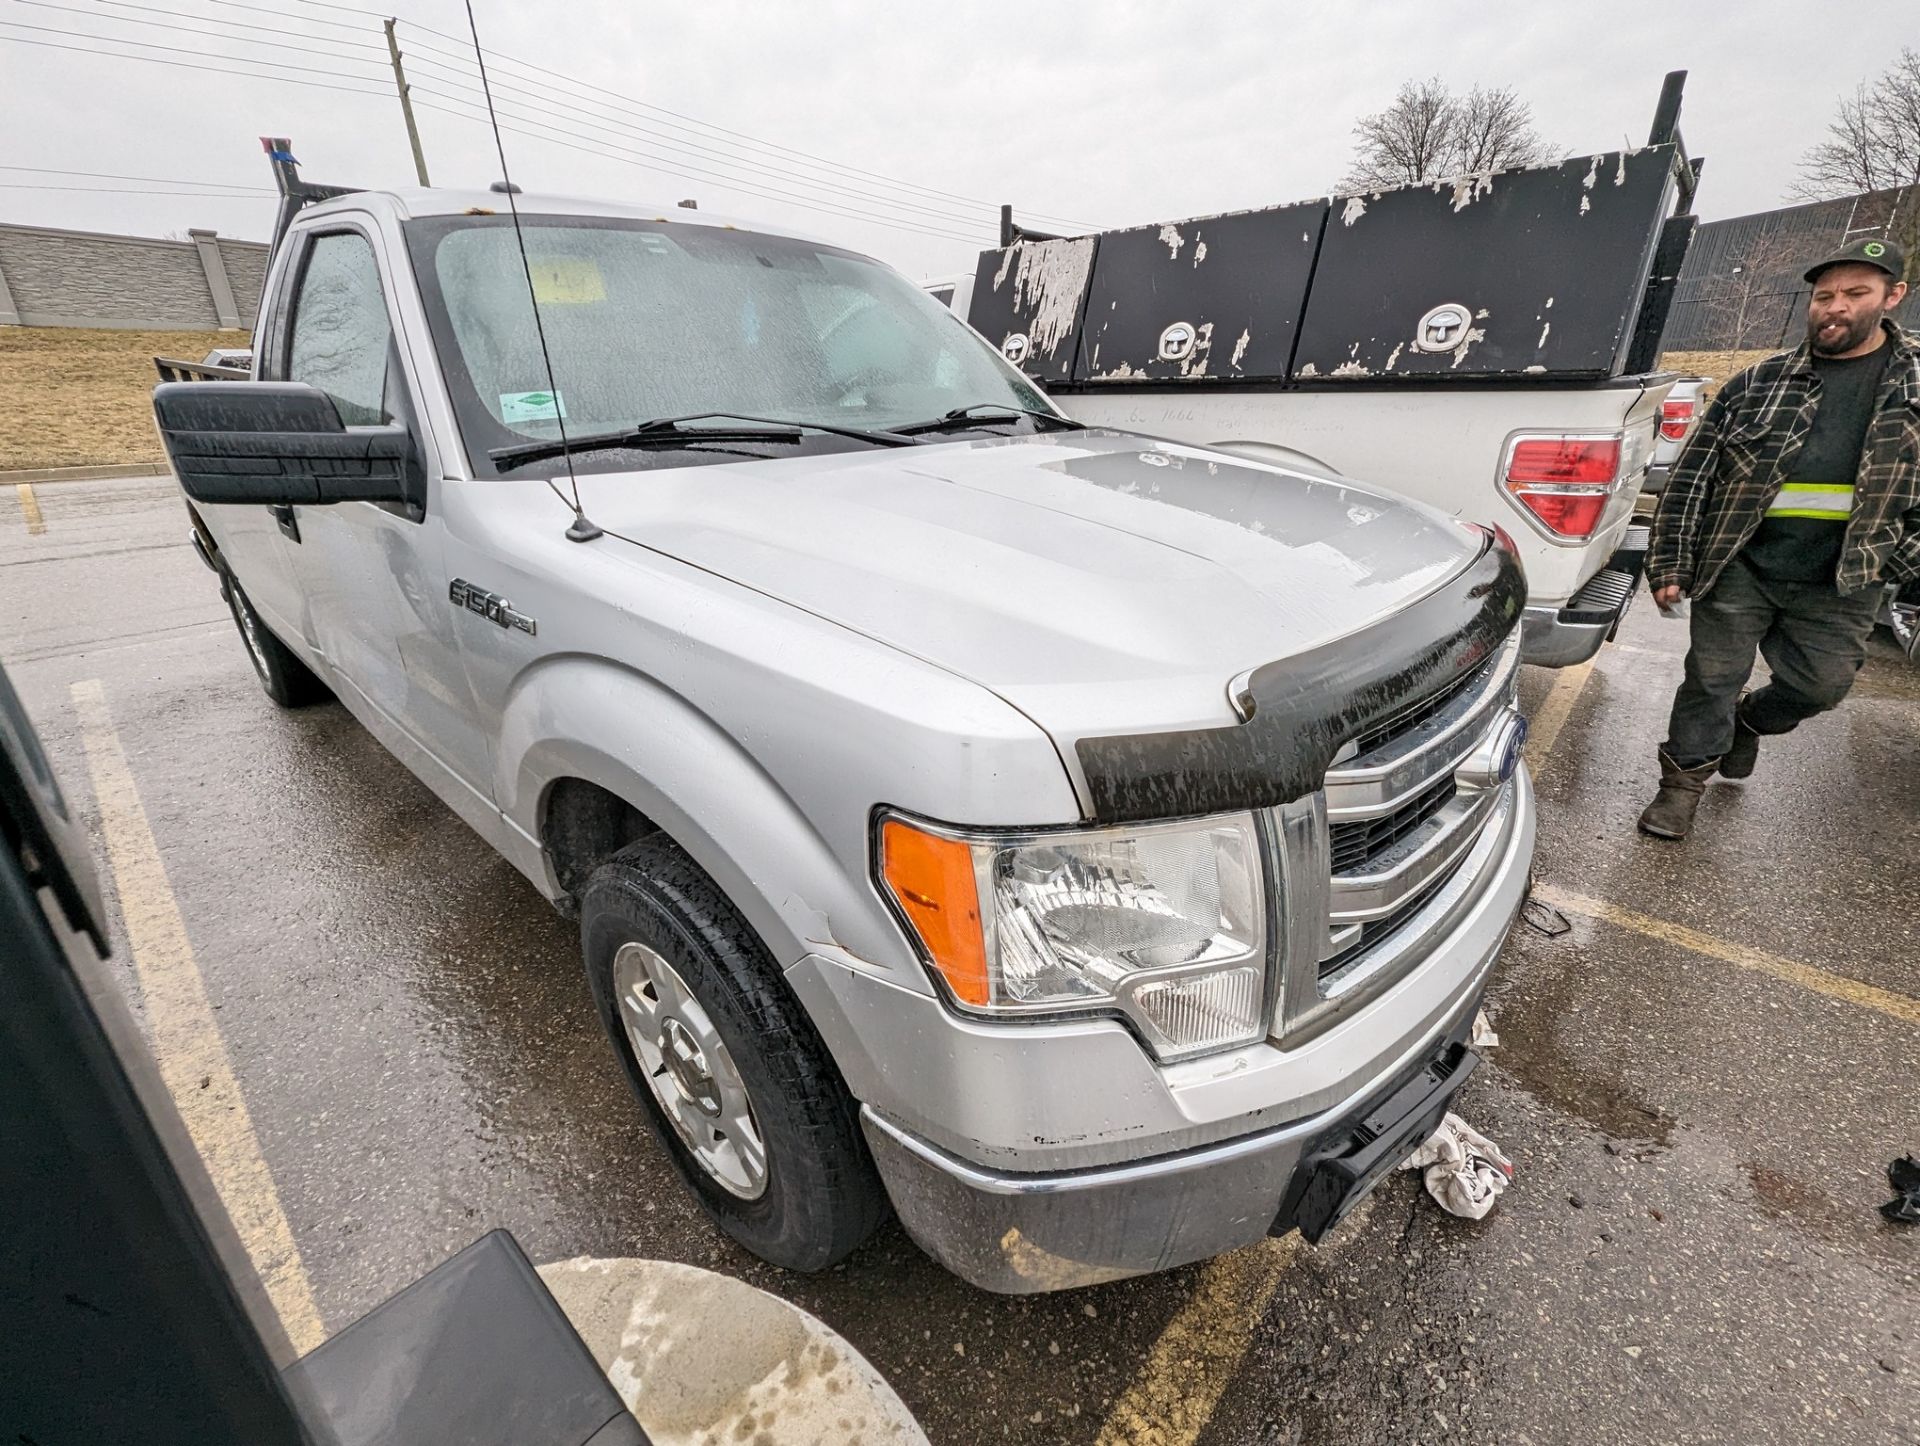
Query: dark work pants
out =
(1813, 638)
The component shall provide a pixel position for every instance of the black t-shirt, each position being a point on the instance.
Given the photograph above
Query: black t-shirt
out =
(1807, 549)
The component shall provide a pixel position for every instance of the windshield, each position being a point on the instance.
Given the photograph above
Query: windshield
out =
(655, 319)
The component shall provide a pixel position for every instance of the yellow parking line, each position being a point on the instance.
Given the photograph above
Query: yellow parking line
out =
(1554, 711)
(1179, 1385)
(192, 1056)
(1199, 1353)
(1807, 976)
(30, 508)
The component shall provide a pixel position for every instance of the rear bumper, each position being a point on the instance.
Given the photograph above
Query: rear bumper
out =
(1559, 636)
(1656, 479)
(1021, 1233)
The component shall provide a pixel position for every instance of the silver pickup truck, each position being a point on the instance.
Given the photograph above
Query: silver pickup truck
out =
(1097, 848)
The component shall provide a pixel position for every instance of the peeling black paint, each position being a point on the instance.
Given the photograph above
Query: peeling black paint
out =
(1304, 708)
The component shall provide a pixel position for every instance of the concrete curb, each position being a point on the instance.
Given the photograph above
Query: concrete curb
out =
(702, 1359)
(37, 475)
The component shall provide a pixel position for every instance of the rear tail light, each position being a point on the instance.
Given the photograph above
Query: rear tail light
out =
(1676, 420)
(1563, 483)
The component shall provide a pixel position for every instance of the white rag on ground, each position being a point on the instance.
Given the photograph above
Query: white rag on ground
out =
(1465, 1171)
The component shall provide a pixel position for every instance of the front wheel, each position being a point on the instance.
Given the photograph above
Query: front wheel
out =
(735, 1081)
(287, 680)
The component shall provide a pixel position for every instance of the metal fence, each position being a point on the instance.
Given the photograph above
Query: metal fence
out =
(1741, 289)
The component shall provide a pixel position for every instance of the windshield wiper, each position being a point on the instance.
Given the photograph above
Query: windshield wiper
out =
(962, 417)
(673, 432)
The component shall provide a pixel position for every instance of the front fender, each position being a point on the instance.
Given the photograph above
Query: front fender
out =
(587, 718)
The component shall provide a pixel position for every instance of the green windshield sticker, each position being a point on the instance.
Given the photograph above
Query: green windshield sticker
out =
(532, 406)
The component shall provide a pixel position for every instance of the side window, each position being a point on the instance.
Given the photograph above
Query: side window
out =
(340, 328)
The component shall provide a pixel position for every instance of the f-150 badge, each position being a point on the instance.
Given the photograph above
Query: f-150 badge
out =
(489, 605)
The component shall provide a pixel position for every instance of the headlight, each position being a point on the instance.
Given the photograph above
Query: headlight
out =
(1165, 922)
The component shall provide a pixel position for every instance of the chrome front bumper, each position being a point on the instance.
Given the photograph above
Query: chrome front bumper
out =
(1021, 1233)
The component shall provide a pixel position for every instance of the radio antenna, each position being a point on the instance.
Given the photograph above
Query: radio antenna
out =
(582, 529)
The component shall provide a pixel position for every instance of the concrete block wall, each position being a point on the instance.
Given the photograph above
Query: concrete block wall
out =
(246, 263)
(51, 277)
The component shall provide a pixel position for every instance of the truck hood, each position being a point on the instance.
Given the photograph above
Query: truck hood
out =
(1095, 580)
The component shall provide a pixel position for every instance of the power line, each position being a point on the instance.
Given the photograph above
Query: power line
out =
(863, 200)
(188, 65)
(175, 24)
(644, 161)
(913, 197)
(838, 199)
(639, 159)
(171, 49)
(158, 180)
(926, 213)
(127, 191)
(575, 83)
(307, 20)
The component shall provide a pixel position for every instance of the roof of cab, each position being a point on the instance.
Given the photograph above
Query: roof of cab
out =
(409, 202)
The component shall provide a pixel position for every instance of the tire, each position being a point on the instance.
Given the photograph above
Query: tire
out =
(816, 1196)
(287, 680)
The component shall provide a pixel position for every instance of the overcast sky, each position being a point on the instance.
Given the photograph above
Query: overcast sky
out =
(1112, 113)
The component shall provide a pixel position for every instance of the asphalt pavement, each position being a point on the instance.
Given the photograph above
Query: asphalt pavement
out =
(1701, 1081)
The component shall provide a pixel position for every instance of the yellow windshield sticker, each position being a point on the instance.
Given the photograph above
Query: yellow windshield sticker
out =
(567, 281)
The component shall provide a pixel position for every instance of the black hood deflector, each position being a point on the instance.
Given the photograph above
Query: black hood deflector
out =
(1305, 707)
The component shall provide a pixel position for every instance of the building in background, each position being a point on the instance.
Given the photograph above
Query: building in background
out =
(1741, 287)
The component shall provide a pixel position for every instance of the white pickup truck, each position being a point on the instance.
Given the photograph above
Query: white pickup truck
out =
(1484, 345)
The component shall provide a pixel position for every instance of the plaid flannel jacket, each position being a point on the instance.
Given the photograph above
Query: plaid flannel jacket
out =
(1745, 447)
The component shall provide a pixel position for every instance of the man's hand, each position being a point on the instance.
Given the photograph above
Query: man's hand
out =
(1667, 597)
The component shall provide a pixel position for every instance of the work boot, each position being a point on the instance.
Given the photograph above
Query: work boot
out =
(1670, 814)
(1738, 760)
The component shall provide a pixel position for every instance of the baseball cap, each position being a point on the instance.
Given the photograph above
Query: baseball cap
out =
(1867, 251)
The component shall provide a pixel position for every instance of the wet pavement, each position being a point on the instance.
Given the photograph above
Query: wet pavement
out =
(1690, 1251)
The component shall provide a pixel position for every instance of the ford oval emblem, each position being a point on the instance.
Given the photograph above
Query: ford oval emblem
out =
(1015, 347)
(1497, 758)
(1512, 746)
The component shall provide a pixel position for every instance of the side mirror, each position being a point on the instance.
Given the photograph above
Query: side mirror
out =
(276, 443)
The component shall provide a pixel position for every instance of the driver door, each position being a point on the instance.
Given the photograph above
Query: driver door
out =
(374, 574)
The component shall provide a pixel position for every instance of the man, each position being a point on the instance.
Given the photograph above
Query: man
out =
(1796, 501)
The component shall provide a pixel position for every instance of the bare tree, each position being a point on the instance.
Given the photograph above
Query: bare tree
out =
(1873, 141)
(1429, 133)
(1493, 129)
(1741, 292)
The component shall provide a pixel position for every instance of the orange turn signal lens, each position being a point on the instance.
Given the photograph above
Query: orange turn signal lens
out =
(932, 880)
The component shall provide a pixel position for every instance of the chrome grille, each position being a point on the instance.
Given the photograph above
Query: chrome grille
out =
(1408, 718)
(1400, 816)
(1359, 842)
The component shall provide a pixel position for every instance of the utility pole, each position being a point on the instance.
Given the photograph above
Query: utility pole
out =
(406, 106)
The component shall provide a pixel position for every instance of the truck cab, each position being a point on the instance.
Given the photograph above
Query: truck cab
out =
(1092, 848)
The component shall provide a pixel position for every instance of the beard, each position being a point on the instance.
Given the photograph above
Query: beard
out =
(1844, 338)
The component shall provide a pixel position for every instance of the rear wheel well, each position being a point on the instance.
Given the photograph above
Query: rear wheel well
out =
(582, 826)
